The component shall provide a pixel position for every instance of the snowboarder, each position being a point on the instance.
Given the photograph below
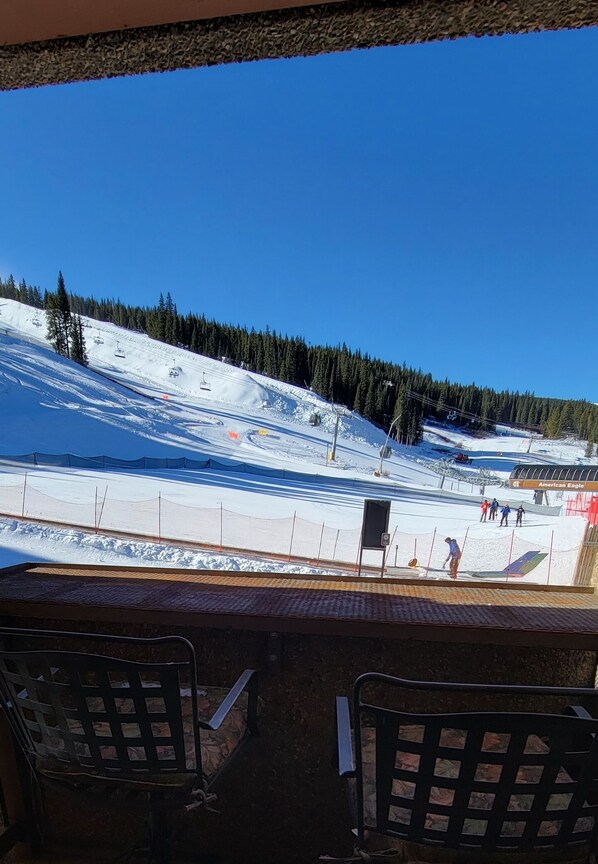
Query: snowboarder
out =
(493, 509)
(504, 516)
(519, 515)
(484, 506)
(454, 555)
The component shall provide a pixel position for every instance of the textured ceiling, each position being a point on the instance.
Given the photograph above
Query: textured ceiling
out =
(292, 32)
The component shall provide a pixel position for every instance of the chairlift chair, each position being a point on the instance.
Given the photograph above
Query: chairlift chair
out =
(173, 371)
(36, 321)
(98, 339)
(204, 384)
(119, 351)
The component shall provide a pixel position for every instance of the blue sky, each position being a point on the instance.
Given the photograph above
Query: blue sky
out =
(435, 205)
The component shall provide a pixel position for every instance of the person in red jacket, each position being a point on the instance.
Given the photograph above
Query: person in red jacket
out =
(485, 506)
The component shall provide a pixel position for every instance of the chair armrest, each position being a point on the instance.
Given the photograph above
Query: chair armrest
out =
(578, 711)
(582, 742)
(346, 762)
(248, 677)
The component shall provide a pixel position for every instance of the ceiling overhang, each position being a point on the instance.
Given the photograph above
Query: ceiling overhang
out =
(26, 21)
(59, 41)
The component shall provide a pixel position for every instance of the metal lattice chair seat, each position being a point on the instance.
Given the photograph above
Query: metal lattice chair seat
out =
(216, 746)
(441, 797)
(470, 786)
(137, 734)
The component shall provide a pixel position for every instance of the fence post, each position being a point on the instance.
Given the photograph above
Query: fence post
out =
(579, 570)
(465, 540)
(511, 547)
(415, 548)
(95, 512)
(292, 534)
(431, 548)
(392, 539)
(102, 507)
(320, 546)
(335, 542)
(221, 526)
(550, 556)
(159, 516)
(23, 502)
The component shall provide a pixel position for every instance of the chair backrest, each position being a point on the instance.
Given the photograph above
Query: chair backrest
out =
(486, 781)
(101, 714)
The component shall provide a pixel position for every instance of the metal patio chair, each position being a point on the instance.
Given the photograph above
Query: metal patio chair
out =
(469, 786)
(128, 734)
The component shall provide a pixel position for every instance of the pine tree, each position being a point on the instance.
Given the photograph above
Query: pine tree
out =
(400, 411)
(359, 399)
(370, 399)
(58, 318)
(78, 349)
(554, 425)
(65, 331)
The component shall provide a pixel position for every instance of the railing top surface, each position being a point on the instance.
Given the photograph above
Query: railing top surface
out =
(379, 608)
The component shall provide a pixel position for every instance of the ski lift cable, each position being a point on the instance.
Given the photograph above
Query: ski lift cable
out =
(428, 402)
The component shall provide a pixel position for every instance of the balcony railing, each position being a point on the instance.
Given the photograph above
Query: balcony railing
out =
(310, 638)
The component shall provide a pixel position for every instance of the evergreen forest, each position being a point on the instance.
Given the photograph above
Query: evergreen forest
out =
(376, 389)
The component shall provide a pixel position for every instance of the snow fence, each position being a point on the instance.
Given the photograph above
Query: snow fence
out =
(374, 489)
(289, 538)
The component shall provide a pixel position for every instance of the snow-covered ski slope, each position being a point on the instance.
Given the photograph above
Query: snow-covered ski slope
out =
(166, 402)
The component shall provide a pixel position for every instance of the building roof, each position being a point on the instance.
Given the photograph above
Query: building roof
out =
(168, 34)
(568, 477)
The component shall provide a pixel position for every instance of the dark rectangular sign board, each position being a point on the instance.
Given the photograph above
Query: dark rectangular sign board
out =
(375, 523)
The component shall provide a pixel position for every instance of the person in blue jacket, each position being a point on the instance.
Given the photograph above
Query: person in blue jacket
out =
(504, 516)
(454, 555)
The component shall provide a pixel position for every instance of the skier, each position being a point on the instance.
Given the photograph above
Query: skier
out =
(484, 508)
(454, 555)
(493, 509)
(504, 516)
(519, 515)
